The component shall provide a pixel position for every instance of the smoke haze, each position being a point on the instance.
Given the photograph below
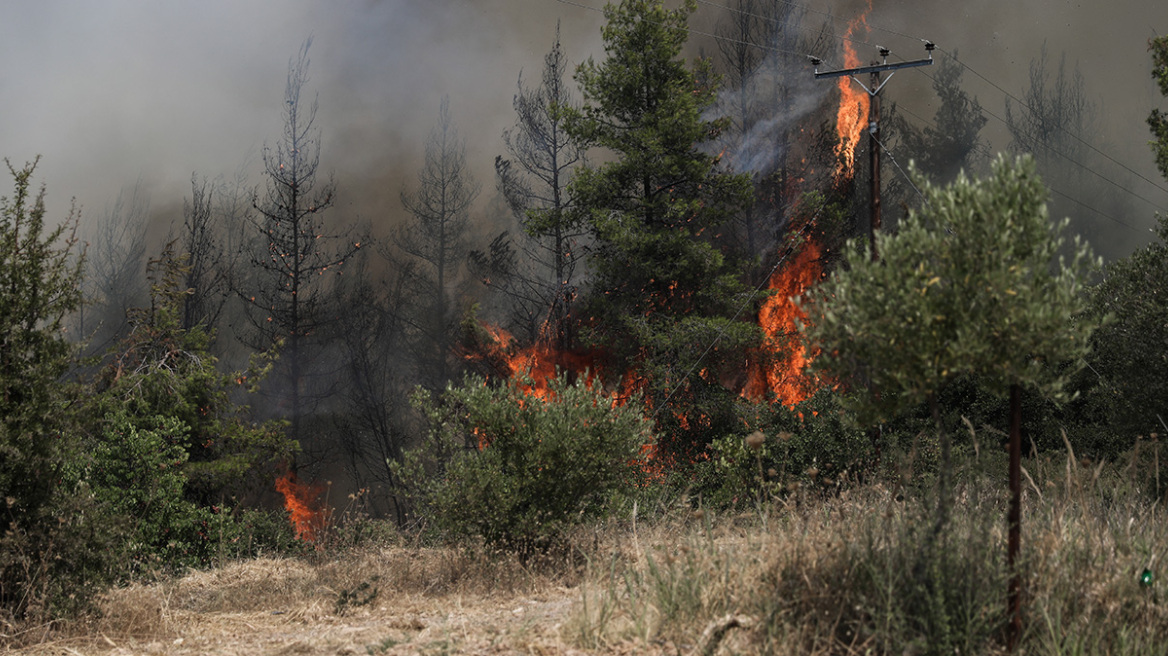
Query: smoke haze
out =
(122, 90)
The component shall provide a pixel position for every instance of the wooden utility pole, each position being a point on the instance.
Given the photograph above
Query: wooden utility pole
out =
(873, 90)
(874, 162)
(874, 120)
(1014, 521)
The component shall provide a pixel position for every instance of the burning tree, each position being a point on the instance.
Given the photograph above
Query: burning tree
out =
(768, 99)
(661, 292)
(289, 296)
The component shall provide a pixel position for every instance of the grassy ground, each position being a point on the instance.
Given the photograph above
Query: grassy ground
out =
(858, 571)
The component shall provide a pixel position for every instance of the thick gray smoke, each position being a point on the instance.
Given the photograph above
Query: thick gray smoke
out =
(122, 90)
(113, 92)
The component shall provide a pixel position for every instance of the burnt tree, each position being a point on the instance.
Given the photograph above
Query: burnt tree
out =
(435, 241)
(533, 179)
(289, 295)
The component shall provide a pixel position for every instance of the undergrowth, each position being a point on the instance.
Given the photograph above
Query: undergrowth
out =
(867, 571)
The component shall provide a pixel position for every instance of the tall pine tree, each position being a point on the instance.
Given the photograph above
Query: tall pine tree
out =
(661, 292)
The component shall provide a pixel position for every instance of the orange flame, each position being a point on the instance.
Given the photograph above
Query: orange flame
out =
(852, 114)
(301, 501)
(540, 361)
(778, 366)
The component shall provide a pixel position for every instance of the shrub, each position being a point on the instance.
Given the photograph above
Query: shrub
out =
(516, 469)
(809, 444)
(39, 285)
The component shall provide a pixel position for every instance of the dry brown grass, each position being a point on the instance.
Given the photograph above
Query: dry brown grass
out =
(811, 575)
(427, 601)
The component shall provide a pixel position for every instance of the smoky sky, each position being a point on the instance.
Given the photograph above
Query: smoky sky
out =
(119, 91)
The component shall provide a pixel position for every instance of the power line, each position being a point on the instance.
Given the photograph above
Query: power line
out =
(1060, 153)
(906, 176)
(990, 113)
(1048, 186)
(966, 66)
(1065, 131)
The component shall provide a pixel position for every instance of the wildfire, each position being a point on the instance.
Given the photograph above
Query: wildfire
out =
(538, 361)
(852, 114)
(301, 501)
(778, 367)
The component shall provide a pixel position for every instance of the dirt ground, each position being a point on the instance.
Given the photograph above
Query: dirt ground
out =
(393, 602)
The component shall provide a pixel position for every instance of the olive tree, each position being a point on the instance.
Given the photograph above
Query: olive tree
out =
(972, 284)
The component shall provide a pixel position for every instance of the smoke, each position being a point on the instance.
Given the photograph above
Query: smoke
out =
(998, 40)
(119, 91)
(763, 142)
(123, 90)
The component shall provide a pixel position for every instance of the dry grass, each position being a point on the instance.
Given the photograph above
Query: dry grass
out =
(841, 574)
(387, 600)
(858, 573)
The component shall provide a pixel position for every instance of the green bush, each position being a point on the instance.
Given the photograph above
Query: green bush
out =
(810, 444)
(161, 369)
(515, 469)
(137, 479)
(39, 286)
(170, 446)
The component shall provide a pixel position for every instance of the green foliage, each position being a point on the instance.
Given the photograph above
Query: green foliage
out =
(543, 464)
(163, 370)
(1158, 120)
(39, 285)
(660, 290)
(810, 445)
(138, 482)
(1130, 352)
(971, 284)
(955, 144)
(170, 446)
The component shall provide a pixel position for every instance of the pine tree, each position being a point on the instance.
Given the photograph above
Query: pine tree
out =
(289, 297)
(661, 292)
(436, 243)
(1158, 120)
(953, 144)
(534, 181)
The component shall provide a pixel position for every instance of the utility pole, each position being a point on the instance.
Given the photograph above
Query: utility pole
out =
(873, 89)
(874, 161)
(874, 121)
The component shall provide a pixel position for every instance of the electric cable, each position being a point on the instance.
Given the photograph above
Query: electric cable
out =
(1067, 132)
(1048, 186)
(1158, 207)
(907, 178)
(1065, 156)
(964, 65)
